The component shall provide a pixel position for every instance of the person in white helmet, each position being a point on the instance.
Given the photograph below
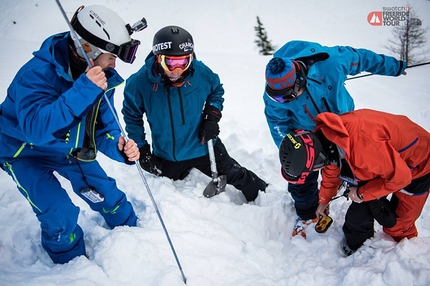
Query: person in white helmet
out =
(55, 119)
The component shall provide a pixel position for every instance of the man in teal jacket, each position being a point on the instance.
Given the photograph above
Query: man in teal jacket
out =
(182, 99)
(304, 79)
(55, 119)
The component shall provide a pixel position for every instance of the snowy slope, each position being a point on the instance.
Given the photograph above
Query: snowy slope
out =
(219, 241)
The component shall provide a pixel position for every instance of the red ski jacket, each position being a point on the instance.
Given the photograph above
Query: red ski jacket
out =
(384, 150)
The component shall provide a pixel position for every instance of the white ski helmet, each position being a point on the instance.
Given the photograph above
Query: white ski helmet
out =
(102, 30)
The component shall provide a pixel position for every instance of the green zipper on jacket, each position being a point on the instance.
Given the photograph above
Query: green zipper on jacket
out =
(92, 123)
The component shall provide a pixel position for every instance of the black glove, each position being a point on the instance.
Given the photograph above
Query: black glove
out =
(209, 129)
(149, 162)
(382, 212)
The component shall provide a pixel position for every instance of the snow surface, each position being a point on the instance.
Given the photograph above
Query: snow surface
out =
(223, 240)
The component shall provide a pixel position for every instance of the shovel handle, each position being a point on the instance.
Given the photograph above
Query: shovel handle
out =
(212, 159)
(218, 182)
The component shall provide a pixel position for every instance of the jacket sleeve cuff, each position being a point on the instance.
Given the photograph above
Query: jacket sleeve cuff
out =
(401, 68)
(323, 200)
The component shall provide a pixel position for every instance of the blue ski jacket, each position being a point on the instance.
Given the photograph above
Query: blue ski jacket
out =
(174, 113)
(325, 88)
(44, 112)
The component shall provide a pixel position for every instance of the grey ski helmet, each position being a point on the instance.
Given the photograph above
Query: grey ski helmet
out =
(173, 41)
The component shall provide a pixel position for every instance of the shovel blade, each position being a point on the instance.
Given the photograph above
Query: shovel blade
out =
(215, 187)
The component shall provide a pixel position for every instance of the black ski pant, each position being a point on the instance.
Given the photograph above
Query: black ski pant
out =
(359, 219)
(238, 176)
(305, 196)
(359, 224)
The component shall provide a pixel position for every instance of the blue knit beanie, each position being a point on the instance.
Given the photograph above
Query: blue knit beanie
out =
(280, 73)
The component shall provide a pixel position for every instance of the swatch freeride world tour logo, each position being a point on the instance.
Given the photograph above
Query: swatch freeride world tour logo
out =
(389, 16)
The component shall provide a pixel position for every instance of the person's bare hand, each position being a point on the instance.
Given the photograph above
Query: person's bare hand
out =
(322, 210)
(130, 149)
(354, 196)
(97, 76)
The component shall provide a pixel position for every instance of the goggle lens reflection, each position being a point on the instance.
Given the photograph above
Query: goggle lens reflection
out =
(127, 51)
(172, 63)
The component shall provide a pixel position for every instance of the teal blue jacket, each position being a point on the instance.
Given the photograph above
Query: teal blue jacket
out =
(325, 87)
(174, 114)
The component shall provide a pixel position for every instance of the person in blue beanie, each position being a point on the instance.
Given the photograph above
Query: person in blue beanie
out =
(54, 120)
(182, 100)
(304, 79)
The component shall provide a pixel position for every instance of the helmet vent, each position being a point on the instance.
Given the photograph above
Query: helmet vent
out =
(92, 17)
(107, 34)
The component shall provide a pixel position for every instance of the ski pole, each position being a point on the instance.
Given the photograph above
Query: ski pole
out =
(408, 67)
(139, 169)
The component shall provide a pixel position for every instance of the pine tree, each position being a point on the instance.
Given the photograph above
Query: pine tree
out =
(408, 40)
(262, 40)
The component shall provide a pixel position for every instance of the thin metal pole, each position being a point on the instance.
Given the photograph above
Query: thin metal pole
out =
(408, 67)
(136, 162)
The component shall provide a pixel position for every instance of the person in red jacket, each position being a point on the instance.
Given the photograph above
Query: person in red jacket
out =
(378, 154)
